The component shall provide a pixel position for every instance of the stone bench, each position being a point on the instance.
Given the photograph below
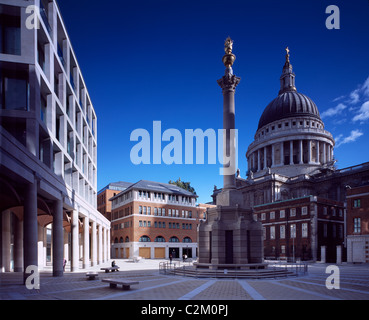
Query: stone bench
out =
(126, 285)
(110, 269)
(92, 275)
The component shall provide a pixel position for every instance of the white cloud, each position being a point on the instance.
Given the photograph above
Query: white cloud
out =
(354, 135)
(363, 113)
(334, 111)
(365, 88)
(354, 96)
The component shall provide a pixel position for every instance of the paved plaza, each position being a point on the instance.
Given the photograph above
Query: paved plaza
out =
(354, 285)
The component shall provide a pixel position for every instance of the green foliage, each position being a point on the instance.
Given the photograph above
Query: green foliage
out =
(183, 185)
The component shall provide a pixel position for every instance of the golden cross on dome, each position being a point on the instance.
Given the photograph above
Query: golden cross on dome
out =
(288, 55)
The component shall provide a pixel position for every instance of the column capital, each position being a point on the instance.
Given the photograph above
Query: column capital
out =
(229, 82)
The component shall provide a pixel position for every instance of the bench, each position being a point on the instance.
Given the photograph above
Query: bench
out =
(110, 269)
(92, 275)
(126, 285)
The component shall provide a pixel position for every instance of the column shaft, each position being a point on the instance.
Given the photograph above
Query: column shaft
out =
(75, 241)
(86, 243)
(30, 228)
(58, 239)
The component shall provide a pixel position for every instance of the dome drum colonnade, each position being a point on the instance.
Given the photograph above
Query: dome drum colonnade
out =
(290, 133)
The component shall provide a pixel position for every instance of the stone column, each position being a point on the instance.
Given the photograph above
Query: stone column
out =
(30, 228)
(228, 83)
(317, 152)
(6, 236)
(265, 158)
(259, 161)
(100, 246)
(282, 153)
(75, 241)
(18, 246)
(86, 243)
(309, 151)
(94, 244)
(291, 152)
(301, 152)
(273, 155)
(58, 239)
(324, 153)
(109, 244)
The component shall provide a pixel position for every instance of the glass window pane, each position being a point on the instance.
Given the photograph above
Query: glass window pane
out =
(16, 94)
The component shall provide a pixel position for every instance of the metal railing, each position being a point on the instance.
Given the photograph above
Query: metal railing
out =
(275, 269)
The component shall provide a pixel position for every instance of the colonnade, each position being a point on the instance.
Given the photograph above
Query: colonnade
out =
(290, 152)
(31, 236)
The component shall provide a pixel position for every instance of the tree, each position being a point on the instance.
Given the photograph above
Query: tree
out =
(183, 185)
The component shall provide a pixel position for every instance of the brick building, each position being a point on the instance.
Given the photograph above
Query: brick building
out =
(358, 224)
(103, 196)
(298, 229)
(154, 220)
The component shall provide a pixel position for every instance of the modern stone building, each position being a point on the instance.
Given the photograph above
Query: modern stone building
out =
(48, 146)
(153, 220)
(293, 186)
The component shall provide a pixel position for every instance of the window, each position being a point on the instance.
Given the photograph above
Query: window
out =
(282, 232)
(149, 211)
(14, 91)
(293, 212)
(159, 239)
(272, 232)
(140, 209)
(145, 211)
(325, 230)
(293, 231)
(304, 230)
(325, 211)
(169, 212)
(304, 211)
(272, 215)
(145, 239)
(10, 35)
(140, 223)
(357, 225)
(282, 213)
(357, 203)
(173, 239)
(187, 240)
(263, 216)
(155, 211)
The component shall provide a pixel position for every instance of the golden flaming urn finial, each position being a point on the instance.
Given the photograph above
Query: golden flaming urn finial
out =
(229, 57)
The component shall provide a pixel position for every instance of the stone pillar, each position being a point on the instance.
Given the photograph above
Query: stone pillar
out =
(323, 250)
(103, 244)
(6, 236)
(259, 161)
(94, 244)
(265, 158)
(273, 155)
(18, 246)
(317, 152)
(75, 241)
(339, 255)
(309, 152)
(100, 245)
(324, 153)
(282, 153)
(228, 83)
(291, 152)
(109, 244)
(30, 228)
(58, 239)
(301, 152)
(86, 243)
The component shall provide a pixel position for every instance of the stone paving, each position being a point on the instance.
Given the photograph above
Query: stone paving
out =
(354, 285)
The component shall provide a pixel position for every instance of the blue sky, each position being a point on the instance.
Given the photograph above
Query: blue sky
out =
(146, 61)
